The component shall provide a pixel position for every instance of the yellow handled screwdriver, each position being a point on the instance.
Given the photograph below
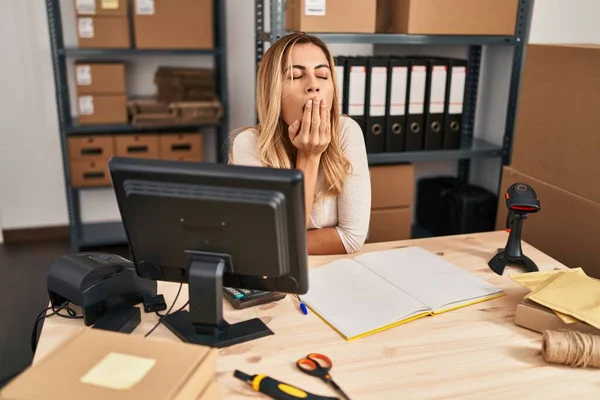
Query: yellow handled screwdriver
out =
(277, 390)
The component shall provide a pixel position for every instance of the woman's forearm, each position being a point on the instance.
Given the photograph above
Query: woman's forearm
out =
(324, 241)
(310, 168)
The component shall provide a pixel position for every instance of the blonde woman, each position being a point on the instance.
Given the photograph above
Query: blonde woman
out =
(300, 127)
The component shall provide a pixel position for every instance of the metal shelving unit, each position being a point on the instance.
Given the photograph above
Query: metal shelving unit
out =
(87, 235)
(471, 147)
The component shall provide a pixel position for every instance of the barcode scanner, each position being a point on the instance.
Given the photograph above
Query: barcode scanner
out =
(521, 200)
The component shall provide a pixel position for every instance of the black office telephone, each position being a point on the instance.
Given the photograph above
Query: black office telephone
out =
(96, 282)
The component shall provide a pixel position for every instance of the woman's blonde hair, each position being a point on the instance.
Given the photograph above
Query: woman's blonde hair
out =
(274, 146)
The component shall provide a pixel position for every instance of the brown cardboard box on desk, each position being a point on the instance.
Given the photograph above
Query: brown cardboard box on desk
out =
(556, 152)
(566, 228)
(538, 318)
(447, 17)
(556, 132)
(97, 364)
(334, 16)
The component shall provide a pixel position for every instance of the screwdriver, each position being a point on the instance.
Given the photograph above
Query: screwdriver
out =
(275, 389)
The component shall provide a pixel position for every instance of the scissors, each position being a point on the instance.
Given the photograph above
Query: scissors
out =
(318, 365)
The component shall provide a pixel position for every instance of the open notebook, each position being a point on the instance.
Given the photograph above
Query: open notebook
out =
(380, 290)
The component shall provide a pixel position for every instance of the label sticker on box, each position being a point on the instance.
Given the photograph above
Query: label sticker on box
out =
(118, 371)
(110, 4)
(86, 105)
(314, 7)
(86, 6)
(144, 7)
(86, 28)
(84, 75)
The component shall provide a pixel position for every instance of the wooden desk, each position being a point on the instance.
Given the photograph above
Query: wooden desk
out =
(475, 352)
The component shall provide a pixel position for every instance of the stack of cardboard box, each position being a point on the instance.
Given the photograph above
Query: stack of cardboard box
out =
(557, 151)
(102, 24)
(392, 197)
(88, 160)
(101, 93)
(184, 84)
(101, 99)
(89, 155)
(157, 24)
(185, 96)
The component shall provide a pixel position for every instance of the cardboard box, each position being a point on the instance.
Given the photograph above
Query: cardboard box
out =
(448, 17)
(566, 228)
(392, 185)
(102, 109)
(538, 318)
(103, 33)
(557, 131)
(212, 392)
(97, 364)
(100, 78)
(181, 146)
(390, 224)
(168, 24)
(91, 148)
(139, 146)
(338, 16)
(101, 8)
(90, 173)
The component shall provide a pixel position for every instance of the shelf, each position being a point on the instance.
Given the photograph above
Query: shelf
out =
(392, 38)
(127, 128)
(477, 149)
(102, 234)
(105, 53)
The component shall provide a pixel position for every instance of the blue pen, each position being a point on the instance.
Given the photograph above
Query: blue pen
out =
(302, 306)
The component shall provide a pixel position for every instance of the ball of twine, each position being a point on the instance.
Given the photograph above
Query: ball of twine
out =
(571, 348)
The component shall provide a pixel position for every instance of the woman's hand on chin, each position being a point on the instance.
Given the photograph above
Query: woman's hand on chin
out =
(312, 136)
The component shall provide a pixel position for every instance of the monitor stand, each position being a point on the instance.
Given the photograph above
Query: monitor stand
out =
(204, 323)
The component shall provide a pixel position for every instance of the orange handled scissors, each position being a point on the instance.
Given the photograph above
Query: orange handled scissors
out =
(318, 365)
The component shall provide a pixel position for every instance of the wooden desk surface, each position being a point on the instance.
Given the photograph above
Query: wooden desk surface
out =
(475, 352)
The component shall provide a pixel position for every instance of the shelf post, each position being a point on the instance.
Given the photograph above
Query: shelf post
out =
(469, 109)
(259, 21)
(277, 17)
(64, 117)
(522, 29)
(220, 61)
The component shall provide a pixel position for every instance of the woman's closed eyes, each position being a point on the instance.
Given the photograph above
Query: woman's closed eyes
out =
(321, 72)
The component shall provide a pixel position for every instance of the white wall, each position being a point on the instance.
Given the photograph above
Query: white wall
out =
(31, 177)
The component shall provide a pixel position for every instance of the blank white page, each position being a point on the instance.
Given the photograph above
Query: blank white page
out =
(427, 277)
(354, 300)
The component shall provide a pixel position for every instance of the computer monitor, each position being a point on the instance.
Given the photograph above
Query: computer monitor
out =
(213, 225)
